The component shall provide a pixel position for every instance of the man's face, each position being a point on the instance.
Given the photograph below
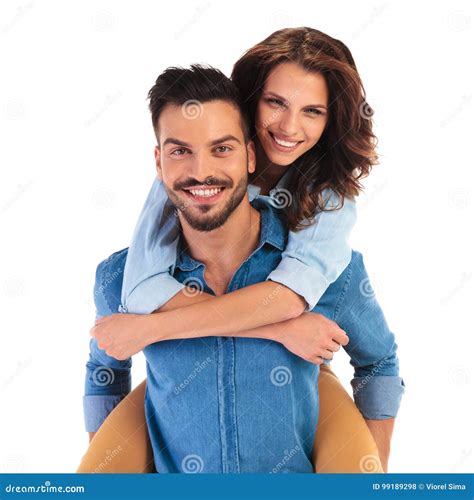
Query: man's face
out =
(203, 161)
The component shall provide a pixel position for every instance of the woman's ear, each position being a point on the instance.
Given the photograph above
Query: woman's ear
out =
(252, 160)
(158, 163)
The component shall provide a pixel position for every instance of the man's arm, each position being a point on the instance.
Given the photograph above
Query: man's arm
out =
(377, 386)
(107, 379)
(382, 431)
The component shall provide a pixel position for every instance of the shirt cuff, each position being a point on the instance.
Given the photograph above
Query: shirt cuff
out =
(378, 397)
(97, 408)
(304, 280)
(152, 294)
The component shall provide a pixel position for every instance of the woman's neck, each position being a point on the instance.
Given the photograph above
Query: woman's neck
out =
(267, 174)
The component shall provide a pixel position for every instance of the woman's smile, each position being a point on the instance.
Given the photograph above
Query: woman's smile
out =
(283, 144)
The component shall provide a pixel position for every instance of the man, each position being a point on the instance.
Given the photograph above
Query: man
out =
(232, 404)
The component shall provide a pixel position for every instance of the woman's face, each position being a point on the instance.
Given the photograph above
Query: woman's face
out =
(291, 113)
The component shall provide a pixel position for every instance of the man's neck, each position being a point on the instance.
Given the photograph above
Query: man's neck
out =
(224, 249)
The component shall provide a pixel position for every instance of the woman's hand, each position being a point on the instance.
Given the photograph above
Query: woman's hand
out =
(312, 337)
(122, 335)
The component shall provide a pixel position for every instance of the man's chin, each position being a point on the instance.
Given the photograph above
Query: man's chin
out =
(204, 224)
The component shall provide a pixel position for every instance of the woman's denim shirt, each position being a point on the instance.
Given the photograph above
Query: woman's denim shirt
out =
(231, 404)
(312, 259)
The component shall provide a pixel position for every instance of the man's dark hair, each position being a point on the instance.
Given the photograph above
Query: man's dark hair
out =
(190, 88)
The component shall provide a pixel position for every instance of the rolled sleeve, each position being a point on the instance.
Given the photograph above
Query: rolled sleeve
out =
(305, 280)
(152, 294)
(378, 397)
(317, 255)
(96, 410)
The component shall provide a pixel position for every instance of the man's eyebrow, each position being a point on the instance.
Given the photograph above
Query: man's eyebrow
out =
(172, 140)
(225, 138)
(286, 100)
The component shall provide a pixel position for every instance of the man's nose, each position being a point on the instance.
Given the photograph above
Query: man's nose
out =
(201, 166)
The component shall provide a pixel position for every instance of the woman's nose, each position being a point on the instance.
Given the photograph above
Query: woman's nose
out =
(289, 124)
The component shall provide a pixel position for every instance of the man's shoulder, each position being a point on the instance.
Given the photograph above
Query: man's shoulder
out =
(108, 283)
(347, 288)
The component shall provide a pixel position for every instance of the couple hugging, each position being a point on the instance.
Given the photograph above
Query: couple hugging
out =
(239, 285)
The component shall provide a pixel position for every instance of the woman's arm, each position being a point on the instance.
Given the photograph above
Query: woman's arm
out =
(314, 258)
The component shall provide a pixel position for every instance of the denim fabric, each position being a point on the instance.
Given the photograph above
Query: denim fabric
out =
(228, 404)
(313, 259)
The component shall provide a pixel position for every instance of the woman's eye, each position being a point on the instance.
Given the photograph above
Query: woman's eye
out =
(222, 149)
(277, 102)
(178, 152)
(314, 111)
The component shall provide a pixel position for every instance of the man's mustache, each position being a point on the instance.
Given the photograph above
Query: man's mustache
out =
(211, 182)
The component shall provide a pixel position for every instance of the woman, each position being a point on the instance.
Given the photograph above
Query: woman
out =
(314, 142)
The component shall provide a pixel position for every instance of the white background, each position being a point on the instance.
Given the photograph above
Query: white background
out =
(76, 159)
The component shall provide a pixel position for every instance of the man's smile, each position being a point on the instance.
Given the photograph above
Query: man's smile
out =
(204, 194)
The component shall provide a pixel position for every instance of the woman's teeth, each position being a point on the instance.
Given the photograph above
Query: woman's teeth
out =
(285, 144)
(205, 192)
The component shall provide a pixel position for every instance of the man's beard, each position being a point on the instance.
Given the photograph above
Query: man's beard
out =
(213, 221)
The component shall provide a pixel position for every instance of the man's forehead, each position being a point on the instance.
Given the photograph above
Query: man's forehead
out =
(210, 121)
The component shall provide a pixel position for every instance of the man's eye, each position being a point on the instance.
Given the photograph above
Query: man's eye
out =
(179, 152)
(223, 149)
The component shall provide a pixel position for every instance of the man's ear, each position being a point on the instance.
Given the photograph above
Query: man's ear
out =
(158, 163)
(252, 162)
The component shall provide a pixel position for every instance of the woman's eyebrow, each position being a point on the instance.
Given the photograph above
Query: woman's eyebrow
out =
(286, 100)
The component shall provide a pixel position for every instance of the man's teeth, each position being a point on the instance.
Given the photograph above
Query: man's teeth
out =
(205, 192)
(284, 143)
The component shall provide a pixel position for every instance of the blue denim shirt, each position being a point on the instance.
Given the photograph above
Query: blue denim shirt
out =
(228, 404)
(313, 258)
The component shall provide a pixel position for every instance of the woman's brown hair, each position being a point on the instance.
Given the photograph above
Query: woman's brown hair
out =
(345, 152)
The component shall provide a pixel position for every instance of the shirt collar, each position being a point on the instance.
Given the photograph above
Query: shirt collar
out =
(272, 232)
